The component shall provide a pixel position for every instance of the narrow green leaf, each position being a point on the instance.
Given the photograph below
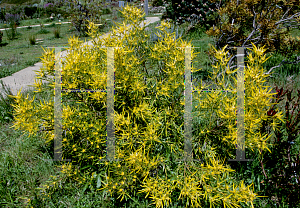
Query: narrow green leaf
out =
(98, 181)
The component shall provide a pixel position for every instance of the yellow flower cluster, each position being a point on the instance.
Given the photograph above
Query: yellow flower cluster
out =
(148, 117)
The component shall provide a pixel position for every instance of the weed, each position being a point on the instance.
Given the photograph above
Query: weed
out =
(32, 40)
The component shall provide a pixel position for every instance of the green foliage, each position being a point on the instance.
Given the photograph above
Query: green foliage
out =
(57, 33)
(12, 32)
(48, 20)
(30, 11)
(251, 20)
(43, 31)
(203, 13)
(2, 14)
(49, 9)
(1, 35)
(18, 2)
(106, 11)
(276, 174)
(32, 40)
(81, 14)
(6, 107)
(157, 3)
(283, 177)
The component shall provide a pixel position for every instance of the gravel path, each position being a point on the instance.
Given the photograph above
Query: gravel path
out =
(26, 76)
(34, 26)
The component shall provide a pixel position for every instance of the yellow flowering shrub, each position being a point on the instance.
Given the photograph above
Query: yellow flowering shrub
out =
(149, 108)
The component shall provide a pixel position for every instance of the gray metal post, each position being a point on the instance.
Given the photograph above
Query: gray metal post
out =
(146, 6)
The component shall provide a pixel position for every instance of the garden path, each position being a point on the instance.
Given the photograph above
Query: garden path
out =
(25, 77)
(37, 25)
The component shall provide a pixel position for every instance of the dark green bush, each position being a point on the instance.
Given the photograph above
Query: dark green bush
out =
(30, 11)
(43, 31)
(80, 14)
(57, 33)
(11, 33)
(157, 3)
(106, 11)
(1, 35)
(32, 40)
(2, 15)
(199, 12)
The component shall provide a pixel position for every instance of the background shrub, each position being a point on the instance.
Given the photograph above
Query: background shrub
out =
(204, 12)
(12, 18)
(32, 40)
(43, 31)
(2, 15)
(106, 11)
(1, 35)
(12, 31)
(57, 33)
(239, 24)
(30, 11)
(80, 14)
(49, 8)
(157, 3)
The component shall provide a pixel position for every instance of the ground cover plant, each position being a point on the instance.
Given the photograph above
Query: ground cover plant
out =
(157, 142)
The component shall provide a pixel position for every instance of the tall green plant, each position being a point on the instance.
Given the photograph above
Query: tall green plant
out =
(80, 14)
(148, 109)
(12, 32)
(1, 35)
